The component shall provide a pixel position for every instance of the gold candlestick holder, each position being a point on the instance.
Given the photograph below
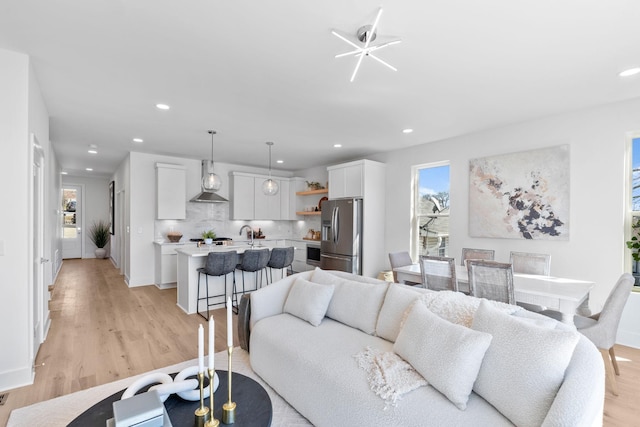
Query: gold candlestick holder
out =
(202, 413)
(229, 408)
(212, 419)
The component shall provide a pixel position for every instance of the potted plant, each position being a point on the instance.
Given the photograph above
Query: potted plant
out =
(99, 235)
(208, 236)
(634, 243)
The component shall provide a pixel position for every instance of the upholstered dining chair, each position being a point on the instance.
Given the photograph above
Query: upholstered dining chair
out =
(217, 264)
(491, 280)
(438, 273)
(602, 328)
(470, 253)
(531, 263)
(400, 259)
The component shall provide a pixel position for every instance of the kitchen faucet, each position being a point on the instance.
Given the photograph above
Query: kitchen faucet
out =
(249, 227)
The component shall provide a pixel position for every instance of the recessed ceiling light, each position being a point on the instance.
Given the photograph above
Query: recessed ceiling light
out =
(408, 130)
(279, 161)
(89, 169)
(162, 106)
(630, 72)
(337, 145)
(63, 173)
(138, 140)
(92, 151)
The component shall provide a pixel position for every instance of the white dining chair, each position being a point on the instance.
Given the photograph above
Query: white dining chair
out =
(491, 280)
(471, 253)
(438, 273)
(531, 263)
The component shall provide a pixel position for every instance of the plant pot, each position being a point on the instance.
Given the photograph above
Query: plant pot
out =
(208, 241)
(101, 253)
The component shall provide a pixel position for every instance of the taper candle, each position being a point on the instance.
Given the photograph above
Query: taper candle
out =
(200, 348)
(212, 327)
(229, 323)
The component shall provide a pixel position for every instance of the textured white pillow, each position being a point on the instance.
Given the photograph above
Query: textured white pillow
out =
(447, 355)
(396, 302)
(524, 366)
(356, 304)
(308, 300)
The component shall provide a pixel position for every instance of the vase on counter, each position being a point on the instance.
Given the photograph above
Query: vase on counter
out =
(208, 241)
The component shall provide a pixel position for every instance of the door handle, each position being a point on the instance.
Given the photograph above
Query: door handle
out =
(43, 260)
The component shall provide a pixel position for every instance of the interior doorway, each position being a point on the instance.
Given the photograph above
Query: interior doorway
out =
(39, 294)
(71, 221)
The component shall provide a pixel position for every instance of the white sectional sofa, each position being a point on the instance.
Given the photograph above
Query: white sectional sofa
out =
(312, 337)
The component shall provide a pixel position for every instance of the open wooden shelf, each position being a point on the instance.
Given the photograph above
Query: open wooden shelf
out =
(309, 213)
(312, 192)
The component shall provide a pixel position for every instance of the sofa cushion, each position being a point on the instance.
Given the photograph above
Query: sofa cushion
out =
(396, 302)
(524, 366)
(447, 355)
(354, 303)
(308, 300)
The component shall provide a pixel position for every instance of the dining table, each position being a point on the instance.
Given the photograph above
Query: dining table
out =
(556, 293)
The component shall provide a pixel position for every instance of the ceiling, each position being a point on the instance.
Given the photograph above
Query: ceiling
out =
(260, 71)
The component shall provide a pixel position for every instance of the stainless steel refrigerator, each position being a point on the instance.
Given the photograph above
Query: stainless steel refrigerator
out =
(341, 245)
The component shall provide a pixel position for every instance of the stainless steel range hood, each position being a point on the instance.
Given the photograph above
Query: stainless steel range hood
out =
(207, 196)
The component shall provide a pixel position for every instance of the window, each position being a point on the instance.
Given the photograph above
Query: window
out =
(69, 230)
(633, 217)
(430, 219)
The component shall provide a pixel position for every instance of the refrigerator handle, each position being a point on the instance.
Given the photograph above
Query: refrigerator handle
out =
(335, 225)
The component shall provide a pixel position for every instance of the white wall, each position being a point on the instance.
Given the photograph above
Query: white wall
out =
(596, 138)
(22, 111)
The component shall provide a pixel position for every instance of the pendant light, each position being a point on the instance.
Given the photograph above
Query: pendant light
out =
(210, 181)
(269, 186)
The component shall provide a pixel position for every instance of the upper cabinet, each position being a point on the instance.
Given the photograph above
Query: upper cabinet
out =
(348, 179)
(171, 191)
(249, 202)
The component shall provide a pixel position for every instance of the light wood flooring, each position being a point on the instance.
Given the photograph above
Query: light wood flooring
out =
(102, 331)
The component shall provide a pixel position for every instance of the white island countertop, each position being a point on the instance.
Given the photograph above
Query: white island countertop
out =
(194, 251)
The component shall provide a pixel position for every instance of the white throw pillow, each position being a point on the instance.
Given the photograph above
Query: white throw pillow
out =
(356, 304)
(447, 355)
(396, 302)
(524, 366)
(308, 300)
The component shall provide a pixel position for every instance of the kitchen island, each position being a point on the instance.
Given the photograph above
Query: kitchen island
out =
(192, 258)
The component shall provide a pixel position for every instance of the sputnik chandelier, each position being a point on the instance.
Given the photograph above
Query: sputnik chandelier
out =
(363, 46)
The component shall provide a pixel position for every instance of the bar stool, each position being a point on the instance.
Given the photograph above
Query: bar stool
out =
(280, 258)
(217, 264)
(253, 261)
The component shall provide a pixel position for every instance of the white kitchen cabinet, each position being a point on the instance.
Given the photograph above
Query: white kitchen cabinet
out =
(266, 207)
(248, 202)
(299, 256)
(242, 196)
(346, 180)
(166, 261)
(171, 191)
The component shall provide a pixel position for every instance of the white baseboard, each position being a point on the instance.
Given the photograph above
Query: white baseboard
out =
(17, 378)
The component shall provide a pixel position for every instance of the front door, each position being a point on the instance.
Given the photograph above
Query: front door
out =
(71, 221)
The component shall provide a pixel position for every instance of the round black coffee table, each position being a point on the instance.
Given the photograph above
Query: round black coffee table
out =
(253, 405)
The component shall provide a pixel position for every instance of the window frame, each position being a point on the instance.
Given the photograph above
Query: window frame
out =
(414, 235)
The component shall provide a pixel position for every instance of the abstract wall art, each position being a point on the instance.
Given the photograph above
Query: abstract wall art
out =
(521, 195)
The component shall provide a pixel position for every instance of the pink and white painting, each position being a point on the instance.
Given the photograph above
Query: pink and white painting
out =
(521, 195)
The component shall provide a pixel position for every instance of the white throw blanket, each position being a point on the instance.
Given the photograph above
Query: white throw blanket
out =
(459, 308)
(389, 375)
